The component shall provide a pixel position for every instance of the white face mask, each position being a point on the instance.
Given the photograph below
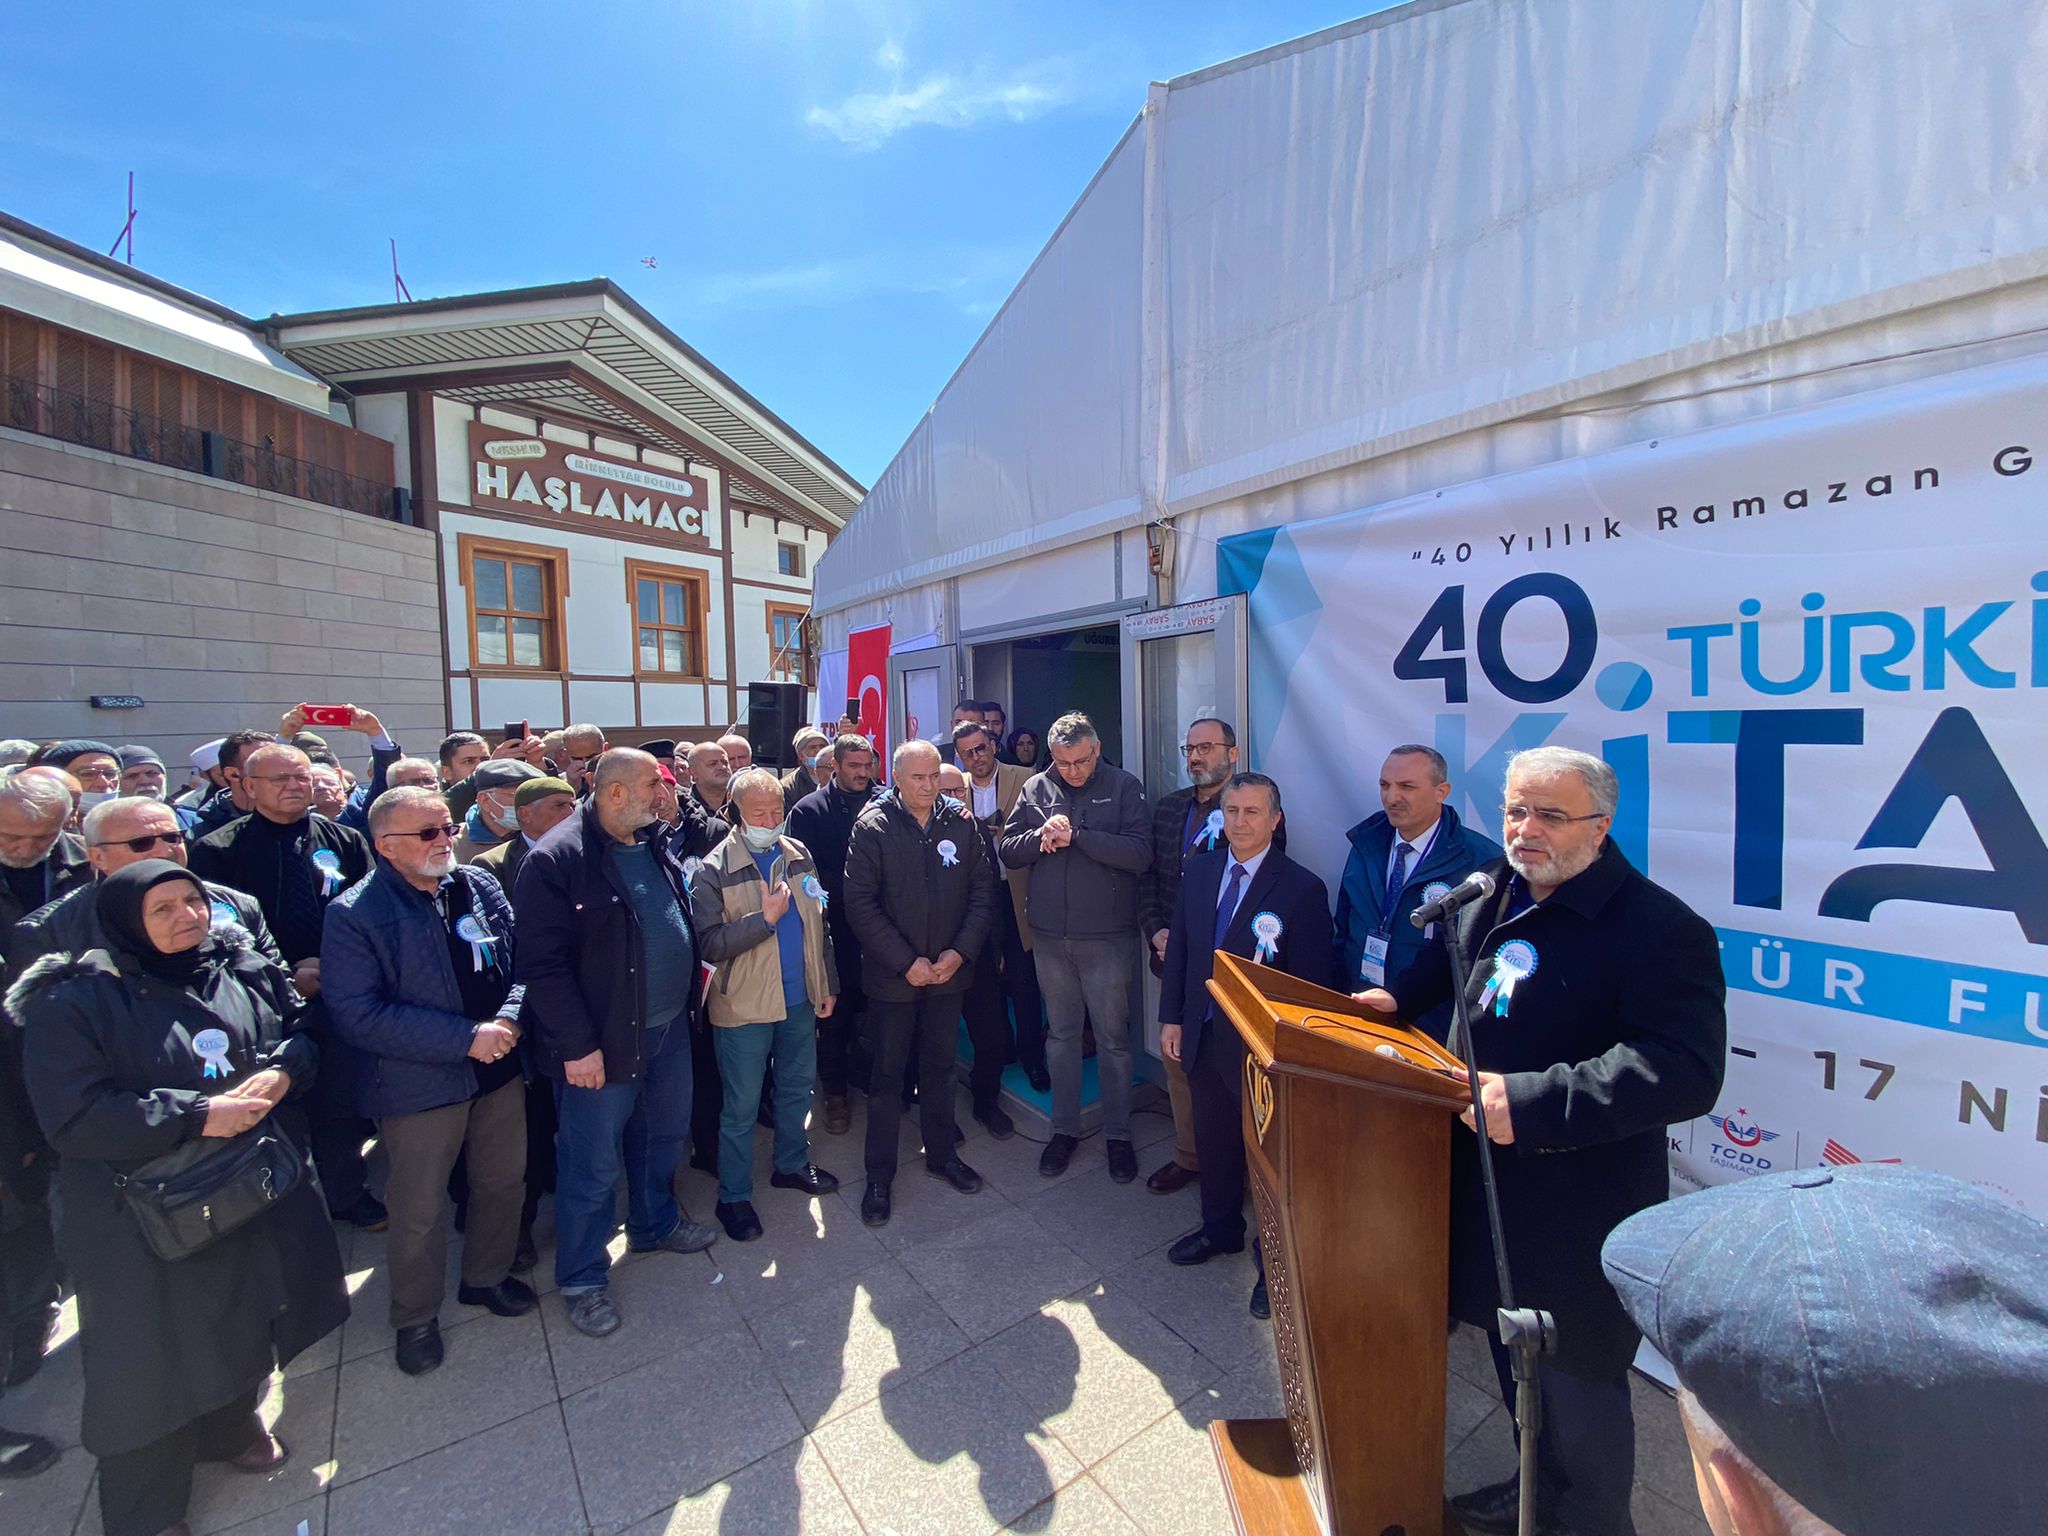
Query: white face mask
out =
(506, 820)
(89, 798)
(761, 839)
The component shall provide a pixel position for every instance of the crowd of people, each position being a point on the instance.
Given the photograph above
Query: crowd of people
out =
(530, 970)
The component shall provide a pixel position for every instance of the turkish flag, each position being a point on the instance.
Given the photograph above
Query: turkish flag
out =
(867, 679)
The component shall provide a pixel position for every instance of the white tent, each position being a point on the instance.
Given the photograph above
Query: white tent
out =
(1466, 236)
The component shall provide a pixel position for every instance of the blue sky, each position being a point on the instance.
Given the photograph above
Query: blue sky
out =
(836, 193)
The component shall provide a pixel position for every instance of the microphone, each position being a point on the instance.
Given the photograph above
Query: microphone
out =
(1476, 886)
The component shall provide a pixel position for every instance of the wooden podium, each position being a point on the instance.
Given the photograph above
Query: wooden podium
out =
(1347, 1126)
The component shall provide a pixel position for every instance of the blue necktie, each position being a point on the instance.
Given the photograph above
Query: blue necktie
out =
(1396, 883)
(1227, 908)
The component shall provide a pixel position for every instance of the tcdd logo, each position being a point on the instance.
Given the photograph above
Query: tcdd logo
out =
(1741, 1133)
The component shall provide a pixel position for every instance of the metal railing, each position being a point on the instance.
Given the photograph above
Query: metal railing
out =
(90, 423)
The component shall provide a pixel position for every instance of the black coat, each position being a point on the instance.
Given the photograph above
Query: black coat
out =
(580, 948)
(64, 869)
(1088, 889)
(1620, 1031)
(909, 897)
(823, 822)
(72, 924)
(24, 1160)
(256, 855)
(115, 1082)
(1306, 947)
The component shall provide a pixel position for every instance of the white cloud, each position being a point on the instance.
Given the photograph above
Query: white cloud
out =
(869, 119)
(890, 55)
(973, 279)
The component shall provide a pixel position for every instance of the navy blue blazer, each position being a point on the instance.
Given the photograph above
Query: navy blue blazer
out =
(1307, 946)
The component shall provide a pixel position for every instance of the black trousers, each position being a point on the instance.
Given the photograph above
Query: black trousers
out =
(1586, 1452)
(146, 1490)
(335, 1132)
(921, 1030)
(1020, 986)
(839, 1040)
(707, 1098)
(988, 1027)
(1215, 1085)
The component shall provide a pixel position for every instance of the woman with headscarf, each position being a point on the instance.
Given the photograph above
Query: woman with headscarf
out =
(1022, 748)
(170, 1033)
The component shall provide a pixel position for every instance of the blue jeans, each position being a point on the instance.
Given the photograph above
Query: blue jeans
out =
(639, 1126)
(744, 1051)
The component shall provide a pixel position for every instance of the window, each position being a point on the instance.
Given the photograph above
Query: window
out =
(515, 603)
(788, 660)
(789, 559)
(668, 620)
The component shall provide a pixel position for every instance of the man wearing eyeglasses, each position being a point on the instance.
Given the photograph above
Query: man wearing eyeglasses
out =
(1598, 1017)
(119, 833)
(420, 963)
(294, 862)
(1185, 822)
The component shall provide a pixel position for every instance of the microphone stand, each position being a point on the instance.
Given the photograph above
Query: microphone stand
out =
(1526, 1333)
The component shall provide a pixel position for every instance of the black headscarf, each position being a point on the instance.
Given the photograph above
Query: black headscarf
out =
(119, 905)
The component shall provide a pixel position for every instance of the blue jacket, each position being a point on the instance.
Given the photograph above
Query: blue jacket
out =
(1457, 851)
(391, 991)
(1298, 898)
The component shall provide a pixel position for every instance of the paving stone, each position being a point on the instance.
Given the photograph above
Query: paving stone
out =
(1082, 1508)
(843, 1344)
(922, 1208)
(996, 1272)
(307, 1518)
(518, 1476)
(496, 1369)
(1466, 1407)
(1471, 1357)
(368, 1329)
(1657, 1516)
(1012, 1166)
(49, 1402)
(952, 1452)
(670, 1301)
(676, 1426)
(1111, 1224)
(1098, 1369)
(807, 1243)
(1206, 1304)
(53, 1500)
(1166, 1479)
(790, 1489)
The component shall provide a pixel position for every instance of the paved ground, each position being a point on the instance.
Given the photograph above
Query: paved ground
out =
(1024, 1358)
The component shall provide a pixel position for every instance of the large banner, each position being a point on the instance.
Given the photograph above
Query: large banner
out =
(1813, 647)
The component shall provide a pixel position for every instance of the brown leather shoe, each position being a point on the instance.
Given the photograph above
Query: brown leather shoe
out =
(1170, 1177)
(266, 1455)
(838, 1114)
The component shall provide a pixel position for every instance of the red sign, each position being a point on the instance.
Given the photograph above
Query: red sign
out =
(867, 679)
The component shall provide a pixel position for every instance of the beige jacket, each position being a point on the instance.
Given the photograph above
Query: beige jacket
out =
(738, 943)
(1010, 778)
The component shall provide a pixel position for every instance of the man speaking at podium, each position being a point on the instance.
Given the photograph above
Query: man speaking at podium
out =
(1246, 899)
(1598, 1019)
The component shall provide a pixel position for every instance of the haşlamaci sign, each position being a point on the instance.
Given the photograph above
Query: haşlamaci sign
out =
(538, 476)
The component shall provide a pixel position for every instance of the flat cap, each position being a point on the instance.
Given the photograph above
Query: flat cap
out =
(540, 789)
(502, 773)
(1874, 1338)
(663, 748)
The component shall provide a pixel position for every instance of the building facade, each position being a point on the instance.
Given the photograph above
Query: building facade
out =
(197, 538)
(625, 537)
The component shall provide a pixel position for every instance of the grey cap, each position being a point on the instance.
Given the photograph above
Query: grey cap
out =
(503, 773)
(1874, 1338)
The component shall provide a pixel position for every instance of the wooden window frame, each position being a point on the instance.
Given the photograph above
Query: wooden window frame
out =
(554, 565)
(802, 551)
(803, 656)
(636, 571)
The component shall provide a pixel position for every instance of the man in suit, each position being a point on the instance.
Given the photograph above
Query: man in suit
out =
(1247, 899)
(992, 788)
(1412, 849)
(1598, 1015)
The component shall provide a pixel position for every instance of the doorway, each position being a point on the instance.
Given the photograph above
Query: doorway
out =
(1038, 678)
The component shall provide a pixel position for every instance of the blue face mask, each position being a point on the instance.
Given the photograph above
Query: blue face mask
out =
(761, 839)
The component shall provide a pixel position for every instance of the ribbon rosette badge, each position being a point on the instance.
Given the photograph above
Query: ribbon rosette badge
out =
(479, 938)
(223, 915)
(949, 855)
(690, 867)
(328, 862)
(213, 1045)
(1266, 929)
(1513, 963)
(1212, 830)
(814, 889)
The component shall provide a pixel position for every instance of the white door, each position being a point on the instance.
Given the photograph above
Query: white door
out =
(1181, 664)
(923, 688)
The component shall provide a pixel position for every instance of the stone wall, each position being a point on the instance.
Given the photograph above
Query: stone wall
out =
(219, 605)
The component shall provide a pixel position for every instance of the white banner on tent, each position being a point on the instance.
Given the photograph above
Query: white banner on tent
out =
(1814, 648)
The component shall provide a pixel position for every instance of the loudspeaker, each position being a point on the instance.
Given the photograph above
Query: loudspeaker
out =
(774, 711)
